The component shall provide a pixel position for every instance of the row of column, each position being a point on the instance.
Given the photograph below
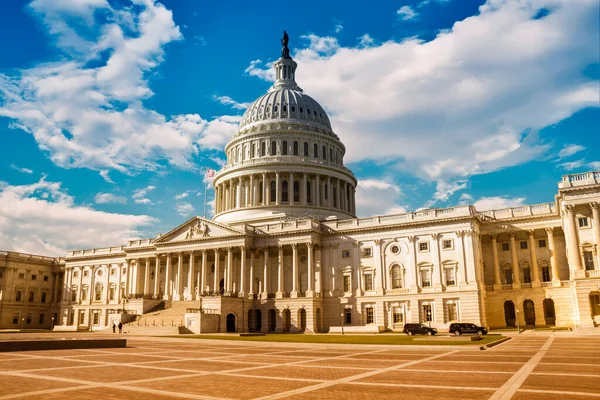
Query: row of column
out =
(573, 249)
(255, 190)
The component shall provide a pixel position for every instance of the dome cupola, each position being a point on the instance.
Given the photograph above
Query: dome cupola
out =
(284, 160)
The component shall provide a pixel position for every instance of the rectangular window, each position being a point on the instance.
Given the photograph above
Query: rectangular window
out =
(15, 318)
(368, 282)
(81, 317)
(74, 293)
(523, 245)
(33, 277)
(348, 316)
(345, 253)
(423, 246)
(44, 294)
(450, 276)
(398, 315)
(447, 244)
(21, 275)
(42, 316)
(31, 297)
(75, 274)
(111, 293)
(29, 318)
(96, 318)
(505, 246)
(71, 320)
(346, 283)
(113, 271)
(45, 278)
(594, 302)
(18, 295)
(583, 222)
(84, 293)
(425, 278)
(542, 243)
(588, 260)
(452, 313)
(370, 316)
(508, 276)
(545, 274)
(86, 273)
(123, 290)
(526, 275)
(367, 252)
(427, 313)
(124, 271)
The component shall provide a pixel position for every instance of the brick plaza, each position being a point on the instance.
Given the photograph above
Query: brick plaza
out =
(526, 367)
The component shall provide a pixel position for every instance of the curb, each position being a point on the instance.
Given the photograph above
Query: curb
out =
(496, 343)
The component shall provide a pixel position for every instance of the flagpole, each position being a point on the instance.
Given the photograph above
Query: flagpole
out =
(205, 194)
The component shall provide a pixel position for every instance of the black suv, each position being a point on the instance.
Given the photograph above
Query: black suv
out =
(418, 329)
(460, 328)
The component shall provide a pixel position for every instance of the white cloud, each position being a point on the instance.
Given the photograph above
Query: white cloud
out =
(498, 202)
(465, 198)
(228, 101)
(184, 209)
(571, 165)
(41, 218)
(104, 198)
(87, 109)
(406, 13)
(182, 195)
(23, 170)
(338, 27)
(143, 201)
(569, 150)
(139, 193)
(444, 190)
(468, 102)
(378, 197)
(595, 165)
(104, 175)
(366, 40)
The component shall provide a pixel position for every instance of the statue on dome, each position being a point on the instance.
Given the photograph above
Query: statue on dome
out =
(285, 51)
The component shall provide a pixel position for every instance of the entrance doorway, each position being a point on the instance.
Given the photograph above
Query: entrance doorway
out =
(287, 320)
(529, 311)
(318, 320)
(222, 286)
(258, 320)
(509, 314)
(251, 323)
(302, 318)
(271, 320)
(549, 312)
(230, 322)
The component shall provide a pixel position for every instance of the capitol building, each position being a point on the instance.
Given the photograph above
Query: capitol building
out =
(285, 252)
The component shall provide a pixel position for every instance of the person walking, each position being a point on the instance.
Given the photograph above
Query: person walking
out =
(114, 327)
(120, 327)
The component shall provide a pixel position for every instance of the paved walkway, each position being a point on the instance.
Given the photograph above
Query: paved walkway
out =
(527, 367)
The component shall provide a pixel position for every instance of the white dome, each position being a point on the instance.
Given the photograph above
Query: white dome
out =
(283, 104)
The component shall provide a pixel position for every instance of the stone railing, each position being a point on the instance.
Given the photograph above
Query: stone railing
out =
(28, 257)
(593, 273)
(507, 286)
(95, 252)
(524, 211)
(290, 159)
(140, 242)
(397, 291)
(586, 178)
(526, 285)
(545, 284)
(291, 226)
(489, 287)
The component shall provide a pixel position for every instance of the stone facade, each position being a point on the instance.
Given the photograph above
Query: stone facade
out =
(285, 252)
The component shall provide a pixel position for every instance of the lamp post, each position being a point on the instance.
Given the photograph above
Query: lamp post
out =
(52, 326)
(518, 324)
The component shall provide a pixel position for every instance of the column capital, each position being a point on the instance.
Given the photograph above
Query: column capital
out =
(294, 246)
(309, 245)
(569, 208)
(530, 232)
(412, 239)
(549, 230)
(493, 235)
(512, 234)
(594, 205)
(435, 236)
(377, 242)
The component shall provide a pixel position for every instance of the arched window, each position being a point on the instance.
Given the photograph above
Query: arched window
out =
(324, 155)
(284, 148)
(273, 191)
(316, 151)
(330, 154)
(273, 148)
(308, 192)
(325, 192)
(253, 150)
(335, 197)
(396, 277)
(260, 192)
(98, 291)
(284, 191)
(263, 149)
(295, 148)
(305, 149)
(296, 191)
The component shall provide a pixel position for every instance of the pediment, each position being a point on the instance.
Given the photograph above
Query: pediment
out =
(197, 228)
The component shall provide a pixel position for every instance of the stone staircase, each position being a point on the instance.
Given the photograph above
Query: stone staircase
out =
(162, 320)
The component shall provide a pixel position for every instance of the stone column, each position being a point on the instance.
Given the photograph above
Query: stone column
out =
(318, 191)
(265, 292)
(319, 270)
(514, 261)
(436, 276)
(303, 194)
(329, 199)
(573, 240)
(146, 277)
(190, 279)
(127, 281)
(252, 194)
(167, 295)
(265, 189)
(156, 277)
(238, 193)
(356, 267)
(294, 292)
(216, 274)
(497, 277)
(311, 272)
(291, 189)
(595, 206)
(338, 195)
(179, 276)
(203, 281)
(243, 271)
(412, 260)
(280, 290)
(334, 259)
(379, 270)
(552, 251)
(229, 268)
(277, 189)
(251, 277)
(535, 278)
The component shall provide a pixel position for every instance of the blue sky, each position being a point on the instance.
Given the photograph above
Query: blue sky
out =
(110, 111)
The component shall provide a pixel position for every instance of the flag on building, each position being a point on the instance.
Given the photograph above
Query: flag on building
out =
(209, 173)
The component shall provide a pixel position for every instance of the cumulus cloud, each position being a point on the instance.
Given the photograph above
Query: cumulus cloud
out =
(228, 101)
(498, 202)
(139, 193)
(468, 102)
(378, 197)
(87, 109)
(444, 190)
(184, 209)
(41, 218)
(23, 170)
(569, 150)
(182, 195)
(143, 200)
(406, 13)
(105, 198)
